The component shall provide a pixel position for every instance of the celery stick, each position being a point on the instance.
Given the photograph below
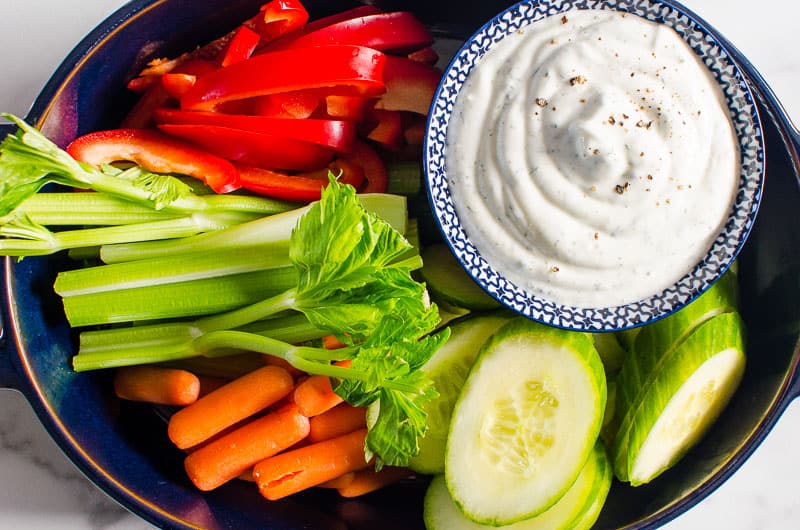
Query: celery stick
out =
(165, 270)
(175, 300)
(25, 238)
(273, 232)
(230, 367)
(88, 209)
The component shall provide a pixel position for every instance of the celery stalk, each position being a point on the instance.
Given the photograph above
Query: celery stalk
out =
(271, 233)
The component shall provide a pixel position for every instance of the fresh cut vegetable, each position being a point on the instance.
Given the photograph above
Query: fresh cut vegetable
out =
(575, 510)
(652, 351)
(448, 368)
(526, 421)
(686, 393)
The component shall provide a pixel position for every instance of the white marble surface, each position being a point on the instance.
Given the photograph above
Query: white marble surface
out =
(40, 489)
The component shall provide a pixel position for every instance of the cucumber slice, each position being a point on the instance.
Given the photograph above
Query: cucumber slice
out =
(525, 422)
(448, 368)
(447, 281)
(653, 346)
(576, 507)
(693, 384)
(611, 351)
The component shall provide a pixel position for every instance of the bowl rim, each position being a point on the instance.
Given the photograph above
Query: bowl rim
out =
(726, 246)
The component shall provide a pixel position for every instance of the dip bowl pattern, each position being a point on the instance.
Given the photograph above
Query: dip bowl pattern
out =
(726, 246)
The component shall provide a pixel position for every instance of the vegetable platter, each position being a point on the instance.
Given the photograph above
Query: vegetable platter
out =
(124, 447)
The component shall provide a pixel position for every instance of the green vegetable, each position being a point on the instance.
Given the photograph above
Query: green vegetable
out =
(688, 390)
(525, 422)
(353, 280)
(575, 510)
(652, 350)
(448, 368)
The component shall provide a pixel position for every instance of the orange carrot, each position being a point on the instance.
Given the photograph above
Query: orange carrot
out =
(337, 421)
(296, 470)
(315, 395)
(368, 480)
(228, 457)
(228, 404)
(339, 482)
(155, 384)
(330, 342)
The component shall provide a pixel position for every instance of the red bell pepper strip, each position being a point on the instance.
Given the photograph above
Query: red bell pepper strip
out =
(298, 105)
(356, 12)
(241, 46)
(254, 148)
(414, 129)
(176, 84)
(395, 31)
(280, 17)
(346, 107)
(336, 134)
(353, 67)
(388, 128)
(371, 162)
(157, 152)
(425, 55)
(410, 85)
(303, 187)
(158, 95)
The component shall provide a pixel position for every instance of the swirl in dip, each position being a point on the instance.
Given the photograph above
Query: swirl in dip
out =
(591, 158)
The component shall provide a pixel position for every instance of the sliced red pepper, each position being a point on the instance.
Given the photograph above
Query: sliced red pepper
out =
(395, 31)
(425, 55)
(410, 85)
(303, 187)
(357, 68)
(346, 107)
(336, 134)
(241, 46)
(254, 148)
(177, 85)
(158, 95)
(356, 12)
(414, 129)
(371, 162)
(142, 83)
(157, 152)
(388, 128)
(299, 105)
(280, 17)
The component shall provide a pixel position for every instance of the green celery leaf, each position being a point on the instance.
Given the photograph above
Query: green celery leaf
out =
(337, 245)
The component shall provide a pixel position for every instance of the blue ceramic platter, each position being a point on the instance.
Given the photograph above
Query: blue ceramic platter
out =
(725, 248)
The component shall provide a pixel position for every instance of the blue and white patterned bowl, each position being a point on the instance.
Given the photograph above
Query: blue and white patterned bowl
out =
(726, 246)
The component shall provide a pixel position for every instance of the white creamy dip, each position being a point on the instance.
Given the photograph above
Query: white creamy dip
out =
(591, 158)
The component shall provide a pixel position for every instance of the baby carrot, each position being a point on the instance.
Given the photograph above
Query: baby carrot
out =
(314, 395)
(228, 457)
(228, 404)
(155, 384)
(337, 421)
(368, 480)
(339, 482)
(296, 470)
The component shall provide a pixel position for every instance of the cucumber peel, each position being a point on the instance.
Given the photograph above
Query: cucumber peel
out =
(525, 423)
(448, 368)
(577, 508)
(652, 349)
(688, 394)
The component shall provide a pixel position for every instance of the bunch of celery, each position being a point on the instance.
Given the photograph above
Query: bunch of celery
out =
(256, 284)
